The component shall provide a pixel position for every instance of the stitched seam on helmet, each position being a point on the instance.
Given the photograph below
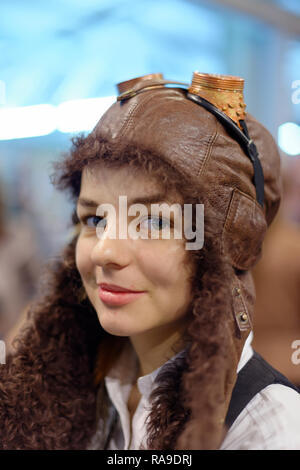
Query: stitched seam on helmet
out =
(127, 119)
(209, 145)
(235, 205)
(118, 141)
(128, 122)
(236, 216)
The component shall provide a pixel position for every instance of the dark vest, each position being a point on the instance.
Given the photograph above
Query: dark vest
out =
(252, 378)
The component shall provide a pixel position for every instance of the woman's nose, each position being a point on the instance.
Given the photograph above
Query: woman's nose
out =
(111, 251)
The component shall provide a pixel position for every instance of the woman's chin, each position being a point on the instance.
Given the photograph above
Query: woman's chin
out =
(112, 323)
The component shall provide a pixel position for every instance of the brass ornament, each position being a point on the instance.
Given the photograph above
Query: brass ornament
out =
(128, 84)
(240, 313)
(145, 83)
(223, 91)
(237, 291)
(243, 317)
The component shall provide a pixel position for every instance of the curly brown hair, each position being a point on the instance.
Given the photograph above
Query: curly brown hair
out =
(48, 387)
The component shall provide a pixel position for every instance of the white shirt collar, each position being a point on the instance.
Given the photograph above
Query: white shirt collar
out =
(247, 352)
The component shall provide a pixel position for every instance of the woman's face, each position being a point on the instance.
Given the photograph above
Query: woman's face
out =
(156, 267)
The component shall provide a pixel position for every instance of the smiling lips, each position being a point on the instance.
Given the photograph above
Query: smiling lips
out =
(116, 295)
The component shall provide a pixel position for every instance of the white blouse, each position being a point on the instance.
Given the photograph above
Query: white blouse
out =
(269, 421)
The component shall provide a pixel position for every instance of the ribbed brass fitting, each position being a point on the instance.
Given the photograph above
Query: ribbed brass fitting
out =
(223, 91)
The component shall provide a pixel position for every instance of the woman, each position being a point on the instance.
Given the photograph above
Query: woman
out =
(155, 367)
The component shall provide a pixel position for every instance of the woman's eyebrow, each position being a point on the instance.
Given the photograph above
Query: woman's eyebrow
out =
(152, 199)
(86, 202)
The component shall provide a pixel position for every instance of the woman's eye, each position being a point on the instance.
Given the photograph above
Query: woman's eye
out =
(155, 223)
(94, 221)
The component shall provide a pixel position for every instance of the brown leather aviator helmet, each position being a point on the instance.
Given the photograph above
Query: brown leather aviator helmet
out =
(204, 132)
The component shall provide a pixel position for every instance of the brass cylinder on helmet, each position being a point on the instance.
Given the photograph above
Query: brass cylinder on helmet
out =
(223, 91)
(128, 84)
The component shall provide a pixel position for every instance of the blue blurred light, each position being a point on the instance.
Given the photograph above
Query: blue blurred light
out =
(292, 6)
(2, 92)
(289, 138)
(43, 119)
(82, 115)
(27, 121)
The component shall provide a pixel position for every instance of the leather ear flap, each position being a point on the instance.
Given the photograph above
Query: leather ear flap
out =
(244, 231)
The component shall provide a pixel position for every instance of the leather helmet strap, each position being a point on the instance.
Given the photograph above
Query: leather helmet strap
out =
(243, 138)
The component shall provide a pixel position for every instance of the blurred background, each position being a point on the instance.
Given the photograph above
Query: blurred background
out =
(59, 63)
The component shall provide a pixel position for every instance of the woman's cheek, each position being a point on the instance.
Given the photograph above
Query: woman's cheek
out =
(82, 256)
(162, 262)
